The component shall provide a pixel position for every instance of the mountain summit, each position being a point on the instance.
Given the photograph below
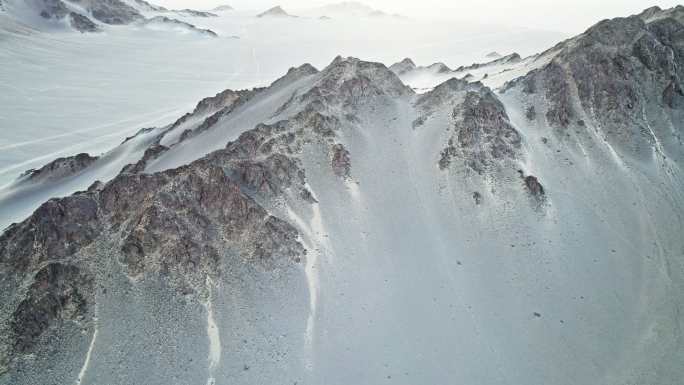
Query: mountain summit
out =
(277, 11)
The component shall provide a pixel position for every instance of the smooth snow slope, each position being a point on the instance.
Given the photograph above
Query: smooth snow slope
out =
(65, 93)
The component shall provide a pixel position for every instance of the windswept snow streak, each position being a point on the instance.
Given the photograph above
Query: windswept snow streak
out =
(86, 364)
(213, 334)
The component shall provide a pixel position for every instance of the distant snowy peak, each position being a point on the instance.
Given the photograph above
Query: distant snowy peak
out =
(193, 13)
(347, 9)
(93, 15)
(144, 6)
(80, 15)
(223, 8)
(512, 58)
(165, 23)
(277, 11)
(59, 168)
(493, 55)
(403, 66)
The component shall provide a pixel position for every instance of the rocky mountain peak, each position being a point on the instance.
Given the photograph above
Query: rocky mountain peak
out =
(276, 11)
(347, 81)
(403, 66)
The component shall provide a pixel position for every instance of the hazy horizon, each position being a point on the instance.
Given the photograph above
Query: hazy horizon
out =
(568, 17)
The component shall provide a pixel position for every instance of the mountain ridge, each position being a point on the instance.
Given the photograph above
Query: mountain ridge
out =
(353, 209)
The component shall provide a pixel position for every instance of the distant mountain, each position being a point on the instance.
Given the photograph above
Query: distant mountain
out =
(94, 15)
(81, 15)
(193, 13)
(223, 8)
(346, 9)
(493, 55)
(166, 23)
(275, 12)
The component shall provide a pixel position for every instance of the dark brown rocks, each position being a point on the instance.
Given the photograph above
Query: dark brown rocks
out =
(60, 168)
(341, 161)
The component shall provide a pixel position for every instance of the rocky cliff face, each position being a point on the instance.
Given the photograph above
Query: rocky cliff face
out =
(623, 76)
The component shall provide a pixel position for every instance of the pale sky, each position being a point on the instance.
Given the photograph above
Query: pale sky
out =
(571, 16)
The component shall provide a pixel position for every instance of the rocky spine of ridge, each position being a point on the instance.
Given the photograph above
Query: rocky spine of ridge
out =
(60, 168)
(174, 225)
(113, 12)
(194, 13)
(177, 23)
(349, 82)
(611, 76)
(508, 59)
(483, 139)
(403, 66)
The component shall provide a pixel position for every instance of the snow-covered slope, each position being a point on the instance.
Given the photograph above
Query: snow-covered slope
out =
(338, 227)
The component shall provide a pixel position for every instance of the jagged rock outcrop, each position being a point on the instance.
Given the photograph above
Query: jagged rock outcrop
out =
(82, 23)
(349, 82)
(341, 161)
(176, 224)
(114, 12)
(620, 73)
(483, 136)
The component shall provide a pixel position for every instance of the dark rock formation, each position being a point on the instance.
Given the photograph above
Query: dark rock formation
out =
(350, 82)
(403, 67)
(483, 135)
(534, 187)
(477, 197)
(114, 12)
(58, 293)
(60, 168)
(163, 20)
(194, 13)
(82, 23)
(52, 9)
(613, 74)
(341, 161)
(146, 6)
(175, 225)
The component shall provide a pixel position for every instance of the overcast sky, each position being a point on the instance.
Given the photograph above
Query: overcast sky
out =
(571, 16)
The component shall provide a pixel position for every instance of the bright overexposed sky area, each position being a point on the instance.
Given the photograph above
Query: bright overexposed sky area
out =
(569, 16)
